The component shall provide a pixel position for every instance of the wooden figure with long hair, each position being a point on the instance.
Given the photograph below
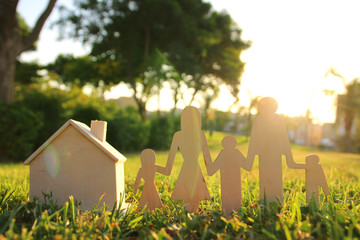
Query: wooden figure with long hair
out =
(190, 185)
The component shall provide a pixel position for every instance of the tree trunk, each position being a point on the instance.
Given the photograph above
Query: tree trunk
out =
(7, 70)
(9, 48)
(141, 106)
(142, 110)
(176, 90)
(12, 44)
(193, 96)
(348, 122)
(8, 54)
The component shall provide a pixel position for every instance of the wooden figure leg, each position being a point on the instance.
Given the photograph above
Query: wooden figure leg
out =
(192, 206)
(270, 175)
(231, 198)
(229, 206)
(310, 194)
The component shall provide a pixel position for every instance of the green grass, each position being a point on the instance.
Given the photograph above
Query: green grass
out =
(337, 216)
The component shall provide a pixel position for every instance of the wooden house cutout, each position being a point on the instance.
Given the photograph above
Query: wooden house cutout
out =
(76, 160)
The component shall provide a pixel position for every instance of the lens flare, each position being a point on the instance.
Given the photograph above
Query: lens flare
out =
(52, 161)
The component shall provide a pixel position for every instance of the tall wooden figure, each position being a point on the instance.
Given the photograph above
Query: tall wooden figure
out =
(229, 161)
(149, 196)
(269, 140)
(190, 185)
(315, 178)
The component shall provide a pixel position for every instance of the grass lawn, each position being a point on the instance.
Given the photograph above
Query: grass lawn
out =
(337, 216)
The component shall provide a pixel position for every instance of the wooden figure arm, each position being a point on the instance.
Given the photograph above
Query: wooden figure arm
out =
(137, 181)
(205, 150)
(249, 161)
(292, 164)
(161, 170)
(323, 182)
(172, 152)
(253, 148)
(241, 158)
(213, 167)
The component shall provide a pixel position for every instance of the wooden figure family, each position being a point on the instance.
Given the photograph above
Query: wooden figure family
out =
(269, 141)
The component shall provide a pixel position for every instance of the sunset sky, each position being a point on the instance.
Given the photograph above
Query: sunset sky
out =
(294, 43)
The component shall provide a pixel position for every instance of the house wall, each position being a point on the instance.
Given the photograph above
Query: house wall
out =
(120, 182)
(73, 165)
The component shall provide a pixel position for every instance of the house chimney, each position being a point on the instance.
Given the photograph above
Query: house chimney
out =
(98, 128)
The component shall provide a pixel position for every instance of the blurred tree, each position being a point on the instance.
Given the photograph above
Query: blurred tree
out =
(161, 132)
(128, 131)
(15, 38)
(19, 129)
(47, 105)
(80, 71)
(252, 106)
(197, 41)
(208, 114)
(74, 70)
(348, 105)
(222, 120)
(27, 72)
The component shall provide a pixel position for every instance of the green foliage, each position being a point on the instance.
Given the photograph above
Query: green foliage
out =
(47, 105)
(19, 128)
(162, 129)
(24, 29)
(26, 72)
(348, 111)
(71, 70)
(199, 42)
(127, 132)
(221, 120)
(49, 108)
(85, 114)
(336, 217)
(216, 120)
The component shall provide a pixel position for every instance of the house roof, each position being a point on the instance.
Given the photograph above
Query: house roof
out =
(84, 130)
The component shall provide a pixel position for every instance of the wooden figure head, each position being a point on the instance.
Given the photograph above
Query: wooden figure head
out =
(190, 119)
(312, 159)
(147, 158)
(229, 142)
(267, 105)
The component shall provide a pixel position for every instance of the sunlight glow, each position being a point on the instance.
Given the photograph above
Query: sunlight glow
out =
(52, 160)
(294, 43)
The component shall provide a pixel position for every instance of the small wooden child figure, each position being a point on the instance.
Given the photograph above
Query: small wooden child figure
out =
(229, 161)
(315, 178)
(149, 196)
